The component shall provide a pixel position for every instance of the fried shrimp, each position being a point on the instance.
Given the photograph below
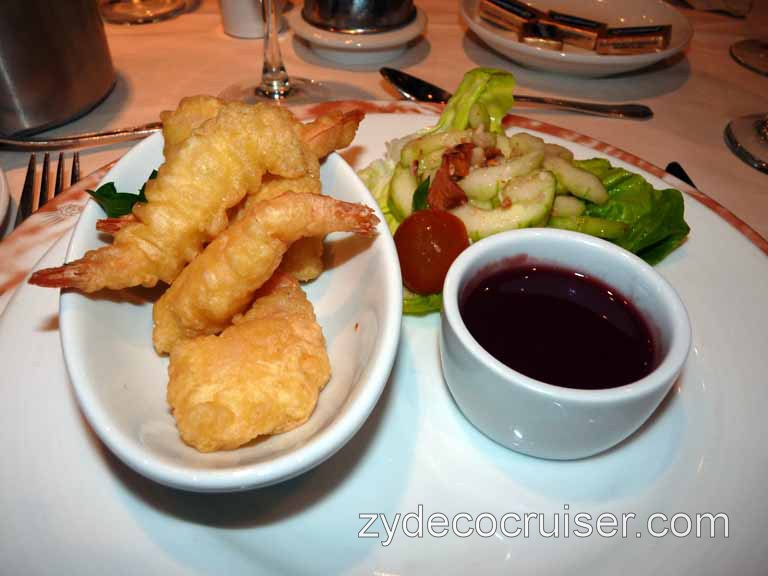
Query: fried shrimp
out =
(209, 172)
(191, 113)
(304, 258)
(322, 136)
(261, 376)
(332, 131)
(220, 282)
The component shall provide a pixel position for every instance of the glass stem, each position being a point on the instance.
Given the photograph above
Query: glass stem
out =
(274, 79)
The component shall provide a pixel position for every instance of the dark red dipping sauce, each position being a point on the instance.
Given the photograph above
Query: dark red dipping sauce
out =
(558, 326)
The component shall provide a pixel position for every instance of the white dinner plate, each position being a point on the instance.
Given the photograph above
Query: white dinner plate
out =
(578, 61)
(69, 506)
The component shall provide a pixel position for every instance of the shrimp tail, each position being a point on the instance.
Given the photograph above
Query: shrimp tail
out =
(112, 226)
(72, 275)
(332, 131)
(361, 218)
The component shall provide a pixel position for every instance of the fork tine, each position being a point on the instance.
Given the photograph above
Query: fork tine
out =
(42, 195)
(59, 184)
(75, 173)
(27, 193)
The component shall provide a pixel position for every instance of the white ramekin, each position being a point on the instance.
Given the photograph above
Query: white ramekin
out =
(540, 419)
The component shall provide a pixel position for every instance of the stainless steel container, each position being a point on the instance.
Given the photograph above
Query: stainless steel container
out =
(358, 16)
(54, 63)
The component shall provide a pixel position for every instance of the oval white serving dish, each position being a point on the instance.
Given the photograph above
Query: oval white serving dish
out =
(120, 382)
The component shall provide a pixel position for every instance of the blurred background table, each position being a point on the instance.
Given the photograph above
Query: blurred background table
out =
(693, 97)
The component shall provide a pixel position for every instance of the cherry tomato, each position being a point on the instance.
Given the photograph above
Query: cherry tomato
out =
(428, 242)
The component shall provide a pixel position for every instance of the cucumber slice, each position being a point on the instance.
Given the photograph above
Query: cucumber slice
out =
(417, 149)
(401, 190)
(502, 143)
(431, 161)
(529, 188)
(577, 181)
(559, 151)
(483, 139)
(482, 183)
(483, 204)
(523, 143)
(534, 194)
(568, 206)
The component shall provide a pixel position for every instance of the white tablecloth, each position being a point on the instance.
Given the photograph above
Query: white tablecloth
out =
(693, 97)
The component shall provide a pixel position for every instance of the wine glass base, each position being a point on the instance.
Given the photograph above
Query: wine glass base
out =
(747, 137)
(143, 12)
(302, 91)
(752, 54)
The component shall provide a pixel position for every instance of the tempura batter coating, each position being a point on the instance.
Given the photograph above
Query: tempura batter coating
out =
(220, 282)
(209, 172)
(322, 136)
(261, 376)
(332, 131)
(304, 259)
(191, 113)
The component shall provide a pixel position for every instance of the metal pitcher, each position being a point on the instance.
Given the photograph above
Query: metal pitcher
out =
(358, 16)
(54, 63)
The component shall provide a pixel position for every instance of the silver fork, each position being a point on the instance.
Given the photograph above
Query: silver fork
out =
(29, 202)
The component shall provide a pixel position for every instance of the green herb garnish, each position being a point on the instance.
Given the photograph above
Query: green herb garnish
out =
(115, 203)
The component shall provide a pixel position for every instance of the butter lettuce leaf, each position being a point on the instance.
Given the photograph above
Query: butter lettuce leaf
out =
(376, 178)
(483, 93)
(419, 305)
(655, 218)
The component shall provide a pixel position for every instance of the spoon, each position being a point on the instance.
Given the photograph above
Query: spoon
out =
(419, 90)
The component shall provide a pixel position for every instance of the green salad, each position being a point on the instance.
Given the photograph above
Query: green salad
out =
(467, 170)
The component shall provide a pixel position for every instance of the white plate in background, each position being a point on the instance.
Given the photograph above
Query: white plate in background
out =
(579, 61)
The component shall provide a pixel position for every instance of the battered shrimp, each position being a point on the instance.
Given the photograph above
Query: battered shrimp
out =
(220, 282)
(304, 258)
(332, 131)
(323, 135)
(261, 376)
(209, 172)
(191, 113)
(327, 133)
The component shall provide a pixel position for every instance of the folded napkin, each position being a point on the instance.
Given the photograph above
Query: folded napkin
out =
(735, 7)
